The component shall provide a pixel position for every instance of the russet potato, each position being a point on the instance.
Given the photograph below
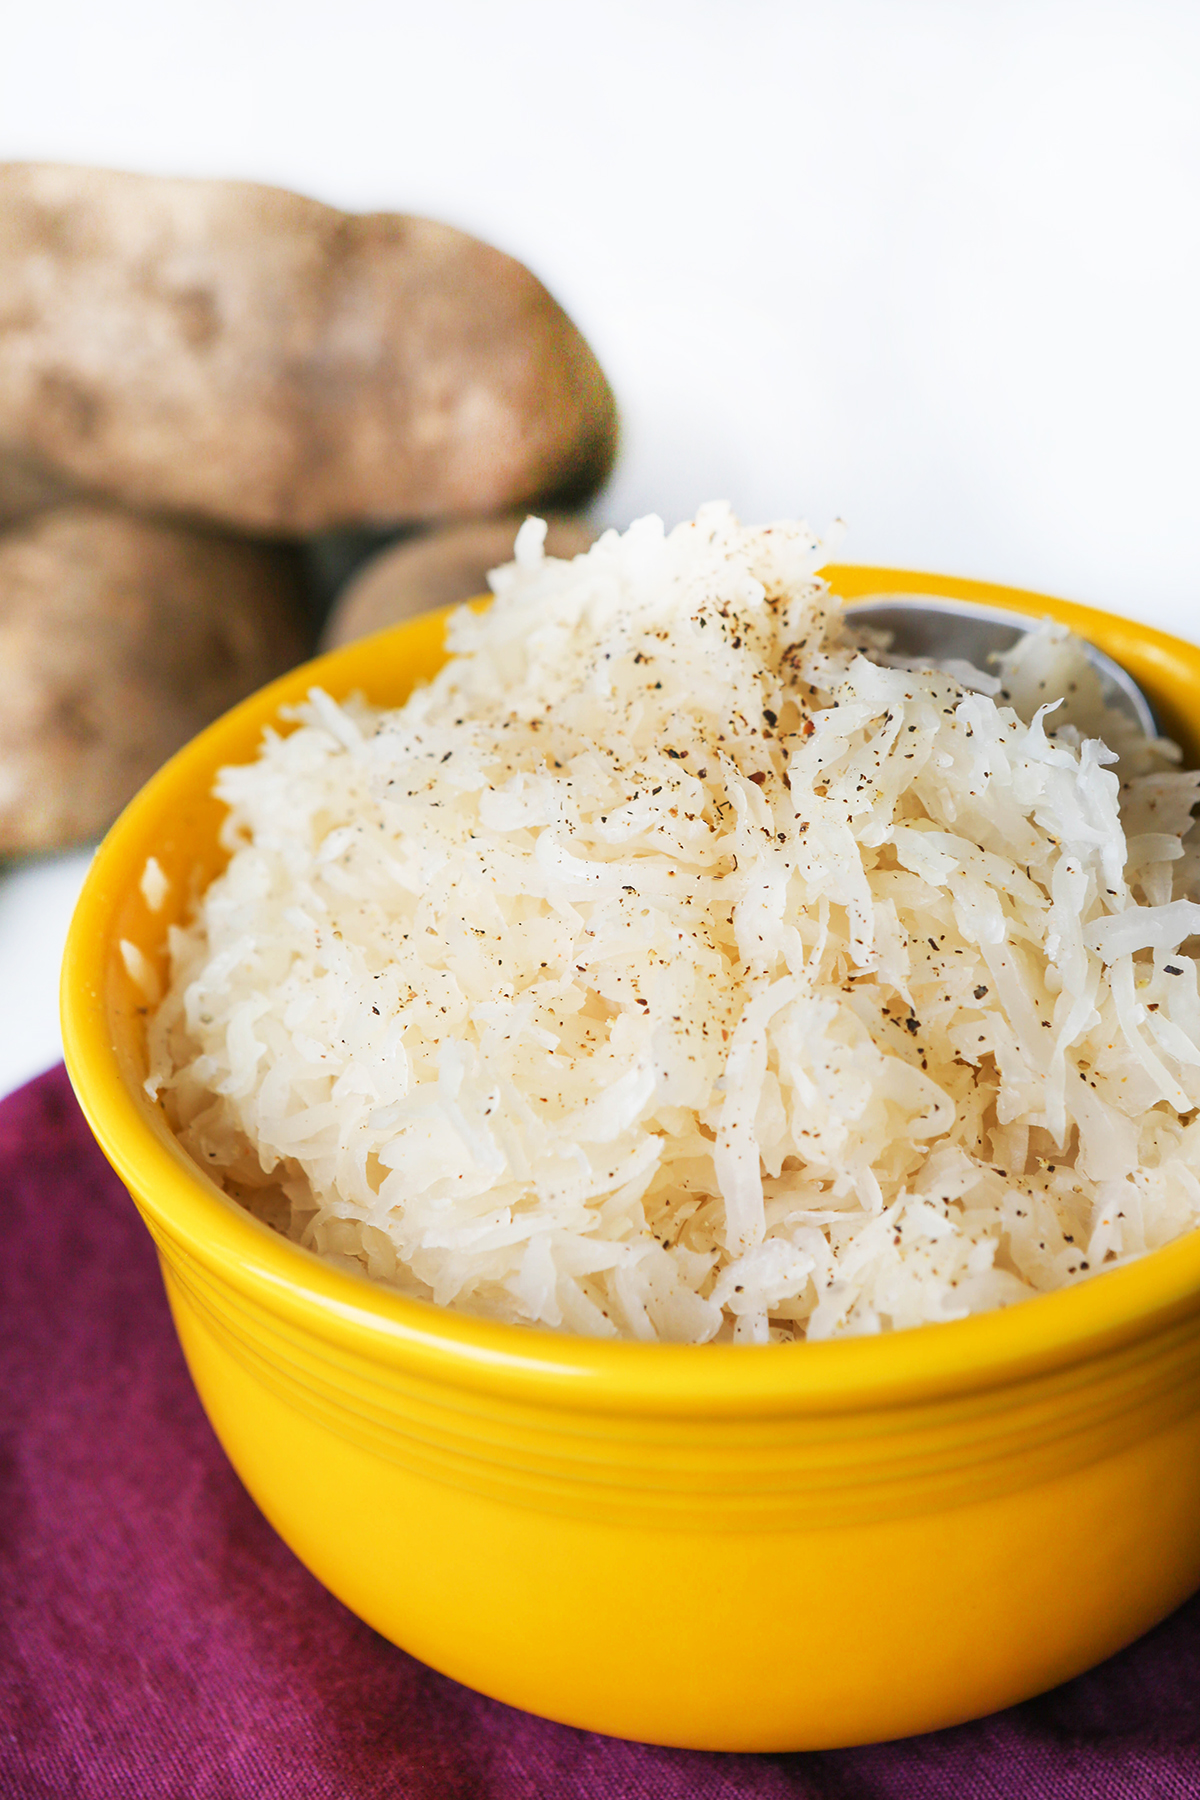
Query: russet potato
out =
(26, 489)
(120, 638)
(242, 355)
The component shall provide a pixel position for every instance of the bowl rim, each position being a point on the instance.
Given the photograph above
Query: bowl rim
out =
(182, 1205)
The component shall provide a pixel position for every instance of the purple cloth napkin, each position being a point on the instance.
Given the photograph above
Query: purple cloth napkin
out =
(157, 1639)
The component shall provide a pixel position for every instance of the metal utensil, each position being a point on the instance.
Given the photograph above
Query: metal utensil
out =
(924, 625)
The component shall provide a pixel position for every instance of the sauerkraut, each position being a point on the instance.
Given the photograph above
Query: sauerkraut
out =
(674, 967)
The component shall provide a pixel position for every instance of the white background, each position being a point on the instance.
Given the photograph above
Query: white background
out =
(931, 267)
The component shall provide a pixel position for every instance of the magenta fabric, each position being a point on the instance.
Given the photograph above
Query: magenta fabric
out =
(157, 1638)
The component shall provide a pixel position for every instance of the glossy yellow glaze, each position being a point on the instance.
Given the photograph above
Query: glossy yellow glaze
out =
(726, 1547)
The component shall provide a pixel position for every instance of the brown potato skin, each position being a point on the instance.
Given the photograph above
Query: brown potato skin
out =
(437, 570)
(240, 354)
(26, 489)
(119, 639)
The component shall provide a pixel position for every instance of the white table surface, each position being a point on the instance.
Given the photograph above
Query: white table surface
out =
(933, 269)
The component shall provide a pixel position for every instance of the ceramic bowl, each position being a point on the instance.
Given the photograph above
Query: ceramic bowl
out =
(734, 1547)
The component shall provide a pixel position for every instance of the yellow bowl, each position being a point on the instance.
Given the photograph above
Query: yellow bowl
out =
(729, 1547)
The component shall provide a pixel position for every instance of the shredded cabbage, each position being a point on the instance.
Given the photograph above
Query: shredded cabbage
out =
(673, 967)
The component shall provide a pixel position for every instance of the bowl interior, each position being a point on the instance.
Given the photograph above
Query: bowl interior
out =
(176, 820)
